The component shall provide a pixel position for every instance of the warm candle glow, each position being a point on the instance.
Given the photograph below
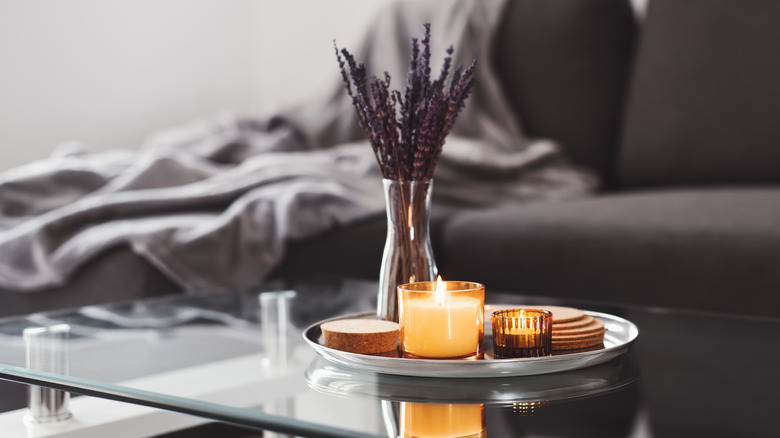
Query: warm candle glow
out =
(441, 291)
(521, 333)
(432, 420)
(442, 319)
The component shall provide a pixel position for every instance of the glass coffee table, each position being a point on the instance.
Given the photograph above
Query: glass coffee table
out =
(241, 358)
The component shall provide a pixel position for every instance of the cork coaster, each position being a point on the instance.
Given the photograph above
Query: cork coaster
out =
(578, 350)
(577, 344)
(595, 325)
(562, 314)
(577, 341)
(366, 336)
(577, 336)
(582, 322)
(573, 336)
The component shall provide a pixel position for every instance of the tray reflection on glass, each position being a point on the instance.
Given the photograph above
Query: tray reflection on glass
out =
(330, 378)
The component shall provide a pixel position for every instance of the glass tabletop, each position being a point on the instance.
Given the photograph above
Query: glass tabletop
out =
(240, 358)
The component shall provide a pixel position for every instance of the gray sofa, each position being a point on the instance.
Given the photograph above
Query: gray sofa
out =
(675, 114)
(687, 145)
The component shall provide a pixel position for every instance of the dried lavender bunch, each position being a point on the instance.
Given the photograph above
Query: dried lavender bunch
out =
(407, 131)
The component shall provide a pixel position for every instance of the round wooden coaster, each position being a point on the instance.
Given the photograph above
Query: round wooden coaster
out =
(573, 337)
(578, 350)
(577, 344)
(562, 314)
(368, 336)
(594, 326)
(582, 322)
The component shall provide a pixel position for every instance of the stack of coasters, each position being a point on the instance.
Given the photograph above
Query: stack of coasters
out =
(574, 331)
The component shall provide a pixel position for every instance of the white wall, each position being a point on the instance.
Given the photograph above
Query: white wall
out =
(110, 72)
(295, 56)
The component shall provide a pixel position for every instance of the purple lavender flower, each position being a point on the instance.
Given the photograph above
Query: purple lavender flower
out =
(407, 130)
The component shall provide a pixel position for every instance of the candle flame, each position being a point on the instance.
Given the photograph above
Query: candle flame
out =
(441, 291)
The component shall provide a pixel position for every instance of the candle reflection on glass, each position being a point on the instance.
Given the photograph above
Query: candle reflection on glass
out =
(442, 319)
(526, 409)
(435, 420)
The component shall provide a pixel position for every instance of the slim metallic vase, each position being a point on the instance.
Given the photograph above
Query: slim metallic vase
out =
(408, 255)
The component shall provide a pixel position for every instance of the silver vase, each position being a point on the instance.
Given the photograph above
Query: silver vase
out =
(408, 255)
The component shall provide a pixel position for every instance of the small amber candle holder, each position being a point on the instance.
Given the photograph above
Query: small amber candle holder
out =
(522, 333)
(442, 320)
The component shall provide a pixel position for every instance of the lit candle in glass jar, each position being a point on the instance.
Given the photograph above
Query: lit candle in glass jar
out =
(442, 319)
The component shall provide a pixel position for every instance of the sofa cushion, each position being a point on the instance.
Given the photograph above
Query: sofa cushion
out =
(354, 251)
(716, 249)
(705, 98)
(564, 65)
(115, 275)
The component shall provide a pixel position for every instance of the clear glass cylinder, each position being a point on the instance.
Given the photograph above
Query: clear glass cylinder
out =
(442, 320)
(408, 255)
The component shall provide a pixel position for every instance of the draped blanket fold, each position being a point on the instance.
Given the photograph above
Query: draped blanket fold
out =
(211, 204)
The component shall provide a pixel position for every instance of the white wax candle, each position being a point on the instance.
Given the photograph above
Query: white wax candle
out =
(448, 327)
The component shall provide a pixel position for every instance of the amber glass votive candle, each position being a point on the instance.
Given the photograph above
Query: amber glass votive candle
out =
(435, 420)
(522, 333)
(442, 319)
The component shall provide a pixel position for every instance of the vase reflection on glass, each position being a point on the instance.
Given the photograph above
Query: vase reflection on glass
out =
(408, 255)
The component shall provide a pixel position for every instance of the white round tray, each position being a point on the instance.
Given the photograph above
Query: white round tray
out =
(619, 336)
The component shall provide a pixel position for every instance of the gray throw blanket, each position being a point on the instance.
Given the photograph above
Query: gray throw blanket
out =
(212, 204)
